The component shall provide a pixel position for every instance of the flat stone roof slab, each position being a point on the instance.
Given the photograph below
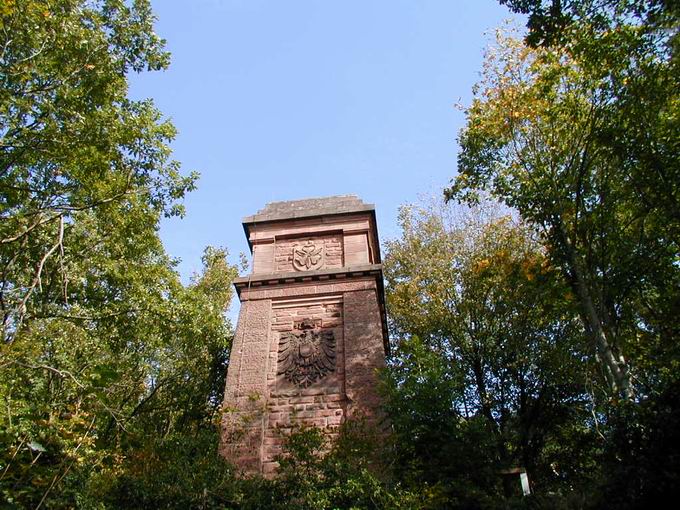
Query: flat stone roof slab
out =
(309, 207)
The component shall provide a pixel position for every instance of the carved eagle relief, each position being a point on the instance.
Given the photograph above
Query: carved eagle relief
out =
(306, 355)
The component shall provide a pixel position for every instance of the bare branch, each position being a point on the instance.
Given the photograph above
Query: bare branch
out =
(37, 281)
(35, 225)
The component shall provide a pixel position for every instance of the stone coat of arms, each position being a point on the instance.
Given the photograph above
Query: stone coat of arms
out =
(308, 256)
(306, 355)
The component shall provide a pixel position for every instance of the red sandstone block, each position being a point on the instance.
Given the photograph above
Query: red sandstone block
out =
(300, 291)
(312, 422)
(312, 391)
(277, 408)
(305, 414)
(270, 468)
(302, 400)
(270, 452)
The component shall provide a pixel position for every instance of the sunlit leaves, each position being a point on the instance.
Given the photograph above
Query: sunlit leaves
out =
(575, 137)
(103, 348)
(490, 347)
(71, 143)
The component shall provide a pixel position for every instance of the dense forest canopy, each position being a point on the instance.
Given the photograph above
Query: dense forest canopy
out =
(534, 317)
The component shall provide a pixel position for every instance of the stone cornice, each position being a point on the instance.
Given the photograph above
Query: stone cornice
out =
(308, 208)
(249, 221)
(258, 281)
(310, 213)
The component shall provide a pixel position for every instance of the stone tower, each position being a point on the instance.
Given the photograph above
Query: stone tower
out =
(311, 330)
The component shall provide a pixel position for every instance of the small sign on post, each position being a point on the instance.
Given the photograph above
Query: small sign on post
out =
(523, 478)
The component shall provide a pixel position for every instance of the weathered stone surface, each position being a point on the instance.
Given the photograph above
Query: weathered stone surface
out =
(309, 207)
(306, 356)
(313, 253)
(311, 330)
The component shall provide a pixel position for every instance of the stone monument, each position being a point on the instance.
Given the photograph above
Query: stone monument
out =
(311, 331)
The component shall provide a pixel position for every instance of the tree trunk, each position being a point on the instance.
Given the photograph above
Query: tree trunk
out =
(615, 369)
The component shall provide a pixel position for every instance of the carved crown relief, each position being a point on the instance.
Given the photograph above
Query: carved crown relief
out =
(308, 256)
(306, 354)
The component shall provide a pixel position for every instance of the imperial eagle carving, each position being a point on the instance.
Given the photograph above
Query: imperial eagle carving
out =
(308, 256)
(306, 355)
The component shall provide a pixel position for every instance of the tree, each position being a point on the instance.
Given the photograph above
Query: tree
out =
(93, 399)
(343, 474)
(489, 374)
(105, 357)
(550, 22)
(164, 453)
(567, 135)
(74, 149)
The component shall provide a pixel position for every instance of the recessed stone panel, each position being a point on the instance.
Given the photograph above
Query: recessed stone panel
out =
(308, 253)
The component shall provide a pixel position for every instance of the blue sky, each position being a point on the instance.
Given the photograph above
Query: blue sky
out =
(278, 100)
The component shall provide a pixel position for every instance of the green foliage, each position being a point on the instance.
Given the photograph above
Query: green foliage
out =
(437, 451)
(348, 473)
(105, 355)
(95, 394)
(178, 471)
(578, 131)
(112, 371)
(489, 373)
(549, 21)
(83, 169)
(186, 472)
(643, 460)
(578, 138)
